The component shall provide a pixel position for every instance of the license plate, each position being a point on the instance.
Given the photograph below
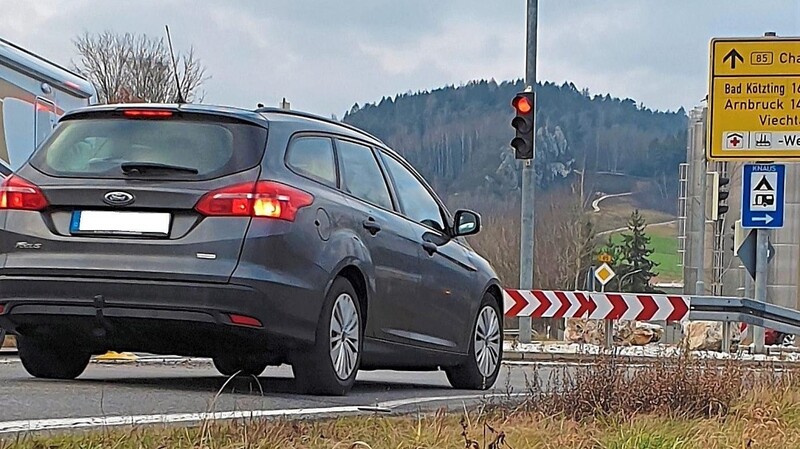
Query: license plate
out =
(120, 223)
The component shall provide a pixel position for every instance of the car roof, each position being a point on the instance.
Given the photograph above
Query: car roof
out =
(323, 124)
(261, 116)
(224, 111)
(319, 122)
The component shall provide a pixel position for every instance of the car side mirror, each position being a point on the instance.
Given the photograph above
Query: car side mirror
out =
(465, 223)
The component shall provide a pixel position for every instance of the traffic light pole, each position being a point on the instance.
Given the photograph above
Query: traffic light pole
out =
(528, 179)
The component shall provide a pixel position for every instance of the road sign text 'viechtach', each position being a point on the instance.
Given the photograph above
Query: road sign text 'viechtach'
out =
(754, 99)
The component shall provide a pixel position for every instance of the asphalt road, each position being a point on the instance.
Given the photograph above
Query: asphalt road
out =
(125, 389)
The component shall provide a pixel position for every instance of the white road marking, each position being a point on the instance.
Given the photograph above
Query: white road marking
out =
(34, 425)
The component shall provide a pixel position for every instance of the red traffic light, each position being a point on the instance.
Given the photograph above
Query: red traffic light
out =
(522, 104)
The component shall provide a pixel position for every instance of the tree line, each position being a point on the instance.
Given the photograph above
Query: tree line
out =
(459, 136)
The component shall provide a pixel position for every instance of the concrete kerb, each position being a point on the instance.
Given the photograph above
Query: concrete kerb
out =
(552, 352)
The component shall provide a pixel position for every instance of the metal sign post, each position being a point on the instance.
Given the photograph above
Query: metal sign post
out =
(762, 245)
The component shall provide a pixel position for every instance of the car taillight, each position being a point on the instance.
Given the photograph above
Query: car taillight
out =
(2, 310)
(243, 320)
(146, 113)
(261, 199)
(20, 194)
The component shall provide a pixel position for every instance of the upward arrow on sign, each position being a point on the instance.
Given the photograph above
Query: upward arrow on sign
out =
(733, 55)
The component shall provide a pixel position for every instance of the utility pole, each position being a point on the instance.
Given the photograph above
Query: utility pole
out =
(699, 205)
(528, 178)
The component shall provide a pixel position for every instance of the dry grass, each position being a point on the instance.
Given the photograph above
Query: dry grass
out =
(675, 403)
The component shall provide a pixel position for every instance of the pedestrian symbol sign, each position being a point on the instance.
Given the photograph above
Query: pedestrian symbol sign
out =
(762, 196)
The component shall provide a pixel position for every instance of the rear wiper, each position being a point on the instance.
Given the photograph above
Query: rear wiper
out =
(141, 168)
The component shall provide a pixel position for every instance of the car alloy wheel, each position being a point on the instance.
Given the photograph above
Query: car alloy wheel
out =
(480, 367)
(330, 365)
(344, 336)
(487, 341)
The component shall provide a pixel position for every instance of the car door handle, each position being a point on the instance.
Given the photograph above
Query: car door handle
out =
(430, 248)
(372, 226)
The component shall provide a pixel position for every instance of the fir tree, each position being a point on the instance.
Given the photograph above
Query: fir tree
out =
(637, 268)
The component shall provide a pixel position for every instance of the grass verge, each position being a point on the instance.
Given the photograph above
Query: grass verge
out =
(672, 403)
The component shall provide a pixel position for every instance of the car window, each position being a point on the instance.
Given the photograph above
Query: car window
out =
(361, 175)
(98, 147)
(313, 157)
(415, 200)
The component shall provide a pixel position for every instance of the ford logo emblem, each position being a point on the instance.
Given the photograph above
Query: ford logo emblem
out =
(118, 198)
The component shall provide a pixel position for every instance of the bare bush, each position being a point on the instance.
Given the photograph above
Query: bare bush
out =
(136, 68)
(682, 387)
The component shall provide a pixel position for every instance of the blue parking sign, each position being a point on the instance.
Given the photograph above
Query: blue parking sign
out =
(763, 188)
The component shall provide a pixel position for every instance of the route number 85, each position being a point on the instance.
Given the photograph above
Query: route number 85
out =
(761, 58)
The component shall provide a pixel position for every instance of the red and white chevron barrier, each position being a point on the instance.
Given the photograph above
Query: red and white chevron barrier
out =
(595, 306)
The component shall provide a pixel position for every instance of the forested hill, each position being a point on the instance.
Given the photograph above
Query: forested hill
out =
(458, 137)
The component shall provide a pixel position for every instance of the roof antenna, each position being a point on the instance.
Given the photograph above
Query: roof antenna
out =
(180, 98)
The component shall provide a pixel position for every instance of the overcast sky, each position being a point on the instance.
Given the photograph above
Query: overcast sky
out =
(323, 56)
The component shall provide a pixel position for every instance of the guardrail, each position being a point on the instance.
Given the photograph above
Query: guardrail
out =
(744, 310)
(612, 306)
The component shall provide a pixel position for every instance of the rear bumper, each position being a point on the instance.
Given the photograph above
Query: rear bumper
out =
(159, 317)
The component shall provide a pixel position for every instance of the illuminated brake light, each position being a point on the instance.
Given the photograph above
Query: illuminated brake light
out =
(19, 194)
(242, 320)
(261, 199)
(146, 113)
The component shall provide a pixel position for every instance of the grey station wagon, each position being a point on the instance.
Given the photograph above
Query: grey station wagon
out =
(254, 238)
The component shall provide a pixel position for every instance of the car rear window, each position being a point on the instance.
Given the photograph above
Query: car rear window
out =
(97, 147)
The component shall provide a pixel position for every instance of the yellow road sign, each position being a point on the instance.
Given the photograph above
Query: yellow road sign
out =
(754, 99)
(604, 273)
(605, 258)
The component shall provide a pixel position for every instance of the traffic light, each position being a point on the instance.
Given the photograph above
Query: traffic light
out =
(719, 196)
(739, 235)
(522, 122)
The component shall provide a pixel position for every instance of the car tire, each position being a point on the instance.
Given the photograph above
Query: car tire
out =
(331, 364)
(49, 361)
(481, 367)
(246, 366)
